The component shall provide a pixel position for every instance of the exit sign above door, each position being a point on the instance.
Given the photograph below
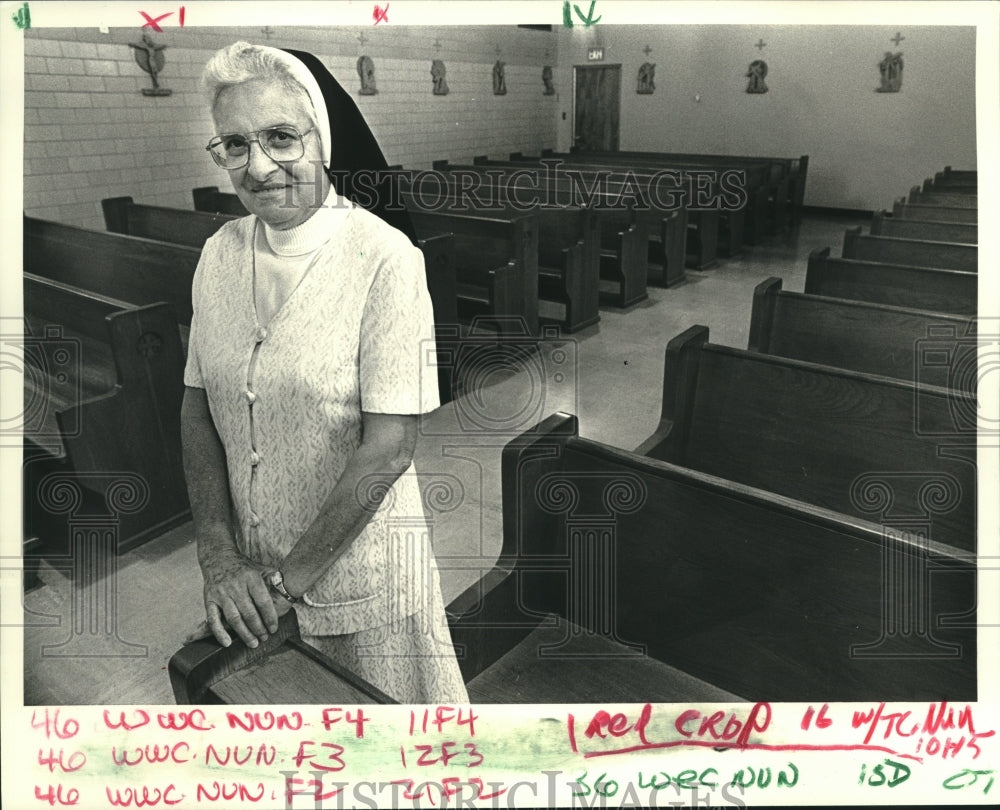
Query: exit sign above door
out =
(595, 54)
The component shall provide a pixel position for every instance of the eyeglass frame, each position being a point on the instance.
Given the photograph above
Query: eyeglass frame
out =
(256, 139)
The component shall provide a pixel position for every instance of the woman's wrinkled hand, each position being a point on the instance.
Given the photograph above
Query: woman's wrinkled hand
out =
(237, 596)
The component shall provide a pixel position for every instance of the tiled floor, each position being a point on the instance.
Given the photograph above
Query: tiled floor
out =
(609, 375)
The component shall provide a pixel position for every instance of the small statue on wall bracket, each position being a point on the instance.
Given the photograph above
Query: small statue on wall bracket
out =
(646, 84)
(891, 68)
(437, 75)
(756, 73)
(366, 70)
(499, 79)
(149, 56)
(550, 89)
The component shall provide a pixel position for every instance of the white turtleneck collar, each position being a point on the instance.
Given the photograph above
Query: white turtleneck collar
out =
(314, 232)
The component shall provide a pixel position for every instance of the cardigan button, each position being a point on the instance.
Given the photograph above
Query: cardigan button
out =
(251, 397)
(254, 459)
(254, 520)
(261, 334)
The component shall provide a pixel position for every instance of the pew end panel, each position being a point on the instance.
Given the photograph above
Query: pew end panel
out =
(442, 286)
(680, 374)
(765, 298)
(135, 429)
(499, 612)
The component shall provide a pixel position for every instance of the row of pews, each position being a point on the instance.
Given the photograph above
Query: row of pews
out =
(801, 525)
(101, 399)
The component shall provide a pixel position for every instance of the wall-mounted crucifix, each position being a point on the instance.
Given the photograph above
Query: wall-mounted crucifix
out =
(897, 39)
(647, 50)
(760, 44)
(362, 38)
(266, 31)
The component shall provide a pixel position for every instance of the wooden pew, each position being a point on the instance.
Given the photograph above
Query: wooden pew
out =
(623, 579)
(951, 184)
(569, 244)
(192, 228)
(960, 175)
(901, 209)
(625, 237)
(884, 224)
(912, 252)
(666, 226)
(130, 268)
(109, 410)
(785, 178)
(812, 432)
(952, 199)
(651, 197)
(954, 291)
(855, 335)
(496, 267)
(213, 201)
(765, 184)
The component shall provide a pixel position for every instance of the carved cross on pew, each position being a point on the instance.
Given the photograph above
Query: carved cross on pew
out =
(897, 39)
(760, 44)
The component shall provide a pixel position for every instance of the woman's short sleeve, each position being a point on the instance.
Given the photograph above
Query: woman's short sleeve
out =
(192, 369)
(397, 371)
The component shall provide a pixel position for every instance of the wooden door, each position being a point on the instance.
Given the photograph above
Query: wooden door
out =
(598, 97)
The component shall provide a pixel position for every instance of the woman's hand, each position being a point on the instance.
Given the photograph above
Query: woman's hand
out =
(202, 630)
(235, 593)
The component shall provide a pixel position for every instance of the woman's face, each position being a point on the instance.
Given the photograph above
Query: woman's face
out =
(282, 194)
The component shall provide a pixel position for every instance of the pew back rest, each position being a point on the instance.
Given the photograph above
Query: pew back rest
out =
(815, 433)
(872, 338)
(193, 228)
(911, 252)
(210, 199)
(942, 290)
(707, 573)
(559, 227)
(932, 230)
(901, 209)
(953, 199)
(137, 270)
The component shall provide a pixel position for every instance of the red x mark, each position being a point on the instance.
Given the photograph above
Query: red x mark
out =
(154, 23)
(381, 14)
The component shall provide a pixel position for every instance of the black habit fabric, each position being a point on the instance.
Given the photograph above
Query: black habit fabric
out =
(355, 150)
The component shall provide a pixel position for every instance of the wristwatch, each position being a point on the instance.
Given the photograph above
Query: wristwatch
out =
(276, 583)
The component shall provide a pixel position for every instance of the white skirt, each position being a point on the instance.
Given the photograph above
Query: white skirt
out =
(412, 659)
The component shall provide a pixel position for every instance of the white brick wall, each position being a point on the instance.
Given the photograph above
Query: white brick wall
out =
(90, 133)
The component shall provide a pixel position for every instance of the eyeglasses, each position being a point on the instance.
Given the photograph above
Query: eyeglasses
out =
(281, 144)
